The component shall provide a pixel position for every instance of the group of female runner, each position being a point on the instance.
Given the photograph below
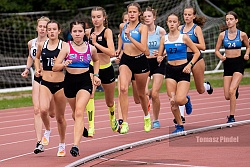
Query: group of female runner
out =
(145, 51)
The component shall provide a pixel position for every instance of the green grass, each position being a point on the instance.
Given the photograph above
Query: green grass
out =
(16, 102)
(23, 99)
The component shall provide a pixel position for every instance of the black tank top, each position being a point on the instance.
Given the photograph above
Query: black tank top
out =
(99, 39)
(48, 55)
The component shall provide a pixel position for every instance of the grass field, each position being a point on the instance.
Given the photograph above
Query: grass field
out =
(23, 99)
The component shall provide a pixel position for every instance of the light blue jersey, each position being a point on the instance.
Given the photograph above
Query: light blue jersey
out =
(135, 33)
(154, 40)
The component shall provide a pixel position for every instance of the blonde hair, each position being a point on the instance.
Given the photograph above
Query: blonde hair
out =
(43, 18)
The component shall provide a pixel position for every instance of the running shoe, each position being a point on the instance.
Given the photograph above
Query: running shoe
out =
(39, 148)
(179, 128)
(230, 119)
(124, 129)
(45, 139)
(74, 151)
(91, 132)
(85, 133)
(210, 91)
(182, 118)
(156, 124)
(147, 124)
(188, 106)
(61, 150)
(113, 122)
(237, 93)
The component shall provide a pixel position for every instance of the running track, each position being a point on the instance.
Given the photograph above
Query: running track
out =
(17, 136)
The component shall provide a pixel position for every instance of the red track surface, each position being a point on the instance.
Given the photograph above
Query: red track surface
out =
(17, 137)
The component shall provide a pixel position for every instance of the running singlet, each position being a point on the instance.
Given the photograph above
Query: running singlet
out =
(79, 59)
(33, 49)
(191, 33)
(232, 44)
(135, 34)
(154, 40)
(100, 39)
(48, 55)
(176, 50)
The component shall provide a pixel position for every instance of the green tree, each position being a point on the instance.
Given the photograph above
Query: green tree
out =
(241, 7)
(7, 6)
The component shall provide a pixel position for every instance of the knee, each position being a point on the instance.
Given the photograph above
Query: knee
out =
(123, 90)
(52, 114)
(141, 96)
(137, 100)
(200, 91)
(232, 92)
(43, 111)
(78, 113)
(180, 100)
(36, 111)
(227, 97)
(60, 119)
(154, 95)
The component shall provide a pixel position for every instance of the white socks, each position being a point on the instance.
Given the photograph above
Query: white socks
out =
(181, 108)
(148, 116)
(206, 86)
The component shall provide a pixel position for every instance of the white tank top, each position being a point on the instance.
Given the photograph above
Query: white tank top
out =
(33, 48)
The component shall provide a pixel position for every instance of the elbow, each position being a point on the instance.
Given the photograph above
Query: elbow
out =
(55, 69)
(146, 52)
(112, 55)
(203, 48)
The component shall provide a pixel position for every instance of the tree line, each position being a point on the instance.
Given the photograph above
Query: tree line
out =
(241, 7)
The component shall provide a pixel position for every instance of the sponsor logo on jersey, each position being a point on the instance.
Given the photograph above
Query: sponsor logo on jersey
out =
(72, 56)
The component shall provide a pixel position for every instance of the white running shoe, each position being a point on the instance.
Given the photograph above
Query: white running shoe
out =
(61, 150)
(45, 139)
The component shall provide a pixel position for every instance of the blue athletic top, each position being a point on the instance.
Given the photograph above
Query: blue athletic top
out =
(79, 59)
(100, 39)
(48, 55)
(191, 33)
(236, 43)
(135, 33)
(154, 40)
(176, 50)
